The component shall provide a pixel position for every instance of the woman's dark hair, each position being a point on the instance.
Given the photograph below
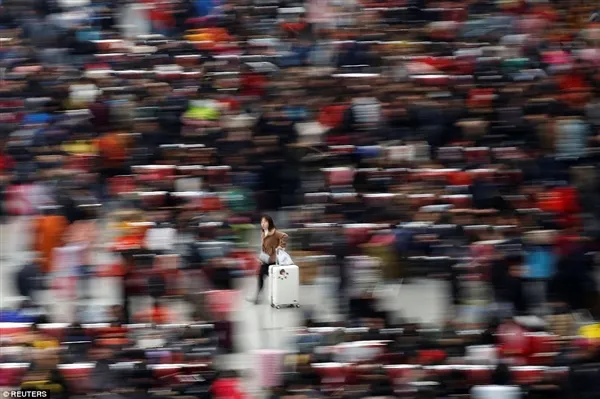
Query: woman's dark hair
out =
(269, 220)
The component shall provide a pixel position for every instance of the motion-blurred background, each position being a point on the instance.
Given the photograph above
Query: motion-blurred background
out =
(434, 165)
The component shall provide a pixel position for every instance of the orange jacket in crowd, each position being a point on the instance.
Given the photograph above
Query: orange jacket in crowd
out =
(113, 150)
(156, 314)
(49, 231)
(160, 14)
(560, 200)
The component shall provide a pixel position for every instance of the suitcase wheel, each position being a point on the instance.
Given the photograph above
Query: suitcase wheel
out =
(277, 307)
(297, 305)
(272, 305)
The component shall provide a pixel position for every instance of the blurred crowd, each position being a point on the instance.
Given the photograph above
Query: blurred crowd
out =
(395, 141)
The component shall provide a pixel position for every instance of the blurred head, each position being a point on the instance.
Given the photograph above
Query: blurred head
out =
(267, 223)
(99, 352)
(26, 304)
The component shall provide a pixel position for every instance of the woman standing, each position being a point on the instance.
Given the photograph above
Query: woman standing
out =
(271, 240)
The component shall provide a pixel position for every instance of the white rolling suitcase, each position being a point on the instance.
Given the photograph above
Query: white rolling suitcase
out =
(284, 283)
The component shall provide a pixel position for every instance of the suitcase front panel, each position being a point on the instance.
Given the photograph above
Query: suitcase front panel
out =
(285, 283)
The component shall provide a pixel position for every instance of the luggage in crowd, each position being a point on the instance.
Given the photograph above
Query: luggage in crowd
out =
(284, 282)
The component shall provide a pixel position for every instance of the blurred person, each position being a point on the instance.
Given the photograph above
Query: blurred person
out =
(6, 164)
(133, 21)
(75, 332)
(102, 378)
(272, 240)
(323, 53)
(540, 263)
(161, 238)
(583, 382)
(395, 122)
(49, 233)
(340, 251)
(116, 316)
(252, 83)
(128, 264)
(508, 286)
(572, 135)
(572, 282)
(100, 113)
(511, 339)
(363, 309)
(592, 111)
(227, 386)
(222, 272)
(488, 336)
(30, 279)
(158, 313)
(450, 339)
(142, 381)
(427, 116)
(84, 232)
(547, 388)
(502, 375)
(304, 382)
(37, 338)
(560, 320)
(569, 242)
(77, 342)
(455, 384)
(485, 193)
(50, 380)
(515, 286)
(271, 172)
(68, 259)
(113, 154)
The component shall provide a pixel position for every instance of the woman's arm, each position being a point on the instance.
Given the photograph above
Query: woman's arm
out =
(283, 241)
